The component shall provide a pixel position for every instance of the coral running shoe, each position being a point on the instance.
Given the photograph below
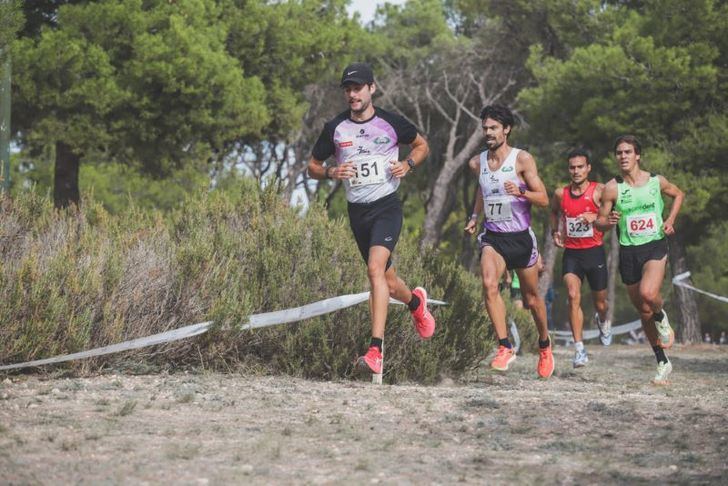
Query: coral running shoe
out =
(503, 358)
(663, 371)
(371, 361)
(665, 334)
(545, 366)
(424, 322)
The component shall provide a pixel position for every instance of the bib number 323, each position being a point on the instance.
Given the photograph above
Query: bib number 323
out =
(642, 225)
(576, 228)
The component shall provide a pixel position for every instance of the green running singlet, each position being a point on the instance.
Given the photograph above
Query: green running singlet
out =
(641, 212)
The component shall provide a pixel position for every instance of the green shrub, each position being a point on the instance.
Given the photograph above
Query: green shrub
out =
(77, 279)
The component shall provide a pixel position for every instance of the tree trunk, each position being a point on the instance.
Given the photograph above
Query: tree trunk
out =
(65, 182)
(612, 270)
(548, 258)
(443, 188)
(688, 329)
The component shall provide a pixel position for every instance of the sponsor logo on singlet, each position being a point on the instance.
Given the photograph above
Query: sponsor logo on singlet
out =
(346, 144)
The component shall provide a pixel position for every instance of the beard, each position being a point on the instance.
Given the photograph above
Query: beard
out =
(493, 144)
(364, 106)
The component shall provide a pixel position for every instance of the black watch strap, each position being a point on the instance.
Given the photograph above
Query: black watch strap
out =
(411, 164)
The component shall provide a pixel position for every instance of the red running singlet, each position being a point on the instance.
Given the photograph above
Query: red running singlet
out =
(579, 235)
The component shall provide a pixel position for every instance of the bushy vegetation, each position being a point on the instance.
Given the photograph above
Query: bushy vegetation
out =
(72, 280)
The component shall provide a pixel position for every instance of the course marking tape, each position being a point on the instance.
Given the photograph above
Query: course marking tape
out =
(594, 333)
(677, 280)
(256, 321)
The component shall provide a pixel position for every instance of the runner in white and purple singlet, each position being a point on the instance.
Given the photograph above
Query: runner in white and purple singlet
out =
(509, 185)
(364, 141)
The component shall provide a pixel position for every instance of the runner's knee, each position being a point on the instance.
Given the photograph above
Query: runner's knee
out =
(574, 295)
(650, 296)
(531, 299)
(490, 286)
(375, 270)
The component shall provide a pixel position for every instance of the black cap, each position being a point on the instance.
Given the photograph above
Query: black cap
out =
(357, 73)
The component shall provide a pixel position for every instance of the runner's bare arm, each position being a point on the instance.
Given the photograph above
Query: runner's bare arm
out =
(420, 150)
(474, 165)
(554, 217)
(477, 208)
(670, 189)
(536, 193)
(597, 196)
(607, 218)
(317, 170)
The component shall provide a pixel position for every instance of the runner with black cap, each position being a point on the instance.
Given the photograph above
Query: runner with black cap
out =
(364, 141)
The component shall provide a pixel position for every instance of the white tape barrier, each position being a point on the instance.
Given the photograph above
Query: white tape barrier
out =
(631, 326)
(677, 280)
(594, 333)
(256, 321)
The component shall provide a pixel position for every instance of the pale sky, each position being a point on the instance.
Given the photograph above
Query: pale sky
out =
(367, 7)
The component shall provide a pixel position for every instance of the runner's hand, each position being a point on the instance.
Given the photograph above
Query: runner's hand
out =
(344, 171)
(399, 169)
(613, 218)
(668, 228)
(588, 218)
(558, 241)
(471, 226)
(511, 189)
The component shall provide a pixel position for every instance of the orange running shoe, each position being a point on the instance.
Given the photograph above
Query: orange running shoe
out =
(424, 322)
(545, 366)
(503, 358)
(371, 361)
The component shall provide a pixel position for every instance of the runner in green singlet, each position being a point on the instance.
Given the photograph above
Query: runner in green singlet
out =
(633, 201)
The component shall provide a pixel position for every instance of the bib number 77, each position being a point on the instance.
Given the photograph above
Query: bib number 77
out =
(498, 211)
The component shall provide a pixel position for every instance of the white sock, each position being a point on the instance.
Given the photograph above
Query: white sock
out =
(579, 345)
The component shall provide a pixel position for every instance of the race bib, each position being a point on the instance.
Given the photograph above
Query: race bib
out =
(642, 225)
(498, 211)
(576, 228)
(369, 170)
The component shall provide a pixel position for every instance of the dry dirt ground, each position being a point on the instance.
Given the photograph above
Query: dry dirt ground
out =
(601, 424)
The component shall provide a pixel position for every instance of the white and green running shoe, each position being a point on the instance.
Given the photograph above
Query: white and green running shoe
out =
(665, 334)
(580, 358)
(605, 330)
(663, 371)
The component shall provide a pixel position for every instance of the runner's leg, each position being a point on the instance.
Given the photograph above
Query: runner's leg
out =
(576, 316)
(378, 256)
(648, 325)
(397, 288)
(599, 298)
(492, 266)
(534, 302)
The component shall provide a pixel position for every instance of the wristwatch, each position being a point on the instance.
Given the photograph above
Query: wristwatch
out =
(411, 164)
(521, 190)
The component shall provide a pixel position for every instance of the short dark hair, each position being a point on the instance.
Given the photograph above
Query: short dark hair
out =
(500, 113)
(630, 139)
(580, 152)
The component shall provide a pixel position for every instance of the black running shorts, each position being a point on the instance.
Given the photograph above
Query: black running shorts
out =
(589, 262)
(377, 223)
(518, 249)
(633, 258)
